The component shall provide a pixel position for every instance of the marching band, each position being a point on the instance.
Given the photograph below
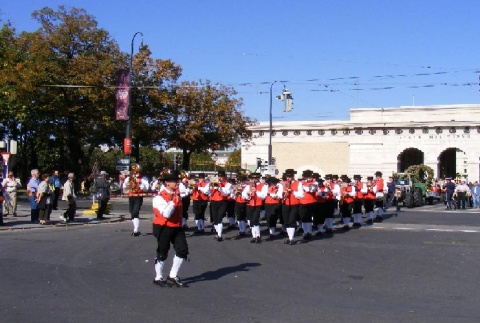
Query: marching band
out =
(302, 204)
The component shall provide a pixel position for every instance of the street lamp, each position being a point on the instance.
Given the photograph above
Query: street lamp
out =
(128, 131)
(287, 98)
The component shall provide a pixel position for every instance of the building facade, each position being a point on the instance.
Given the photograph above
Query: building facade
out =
(446, 138)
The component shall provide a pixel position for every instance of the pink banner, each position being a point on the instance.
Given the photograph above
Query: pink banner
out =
(121, 95)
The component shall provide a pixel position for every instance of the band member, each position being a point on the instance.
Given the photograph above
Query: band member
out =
(185, 194)
(231, 205)
(333, 190)
(320, 207)
(369, 201)
(218, 203)
(292, 193)
(167, 228)
(136, 186)
(360, 191)
(273, 206)
(254, 193)
(307, 203)
(241, 207)
(347, 194)
(378, 189)
(200, 195)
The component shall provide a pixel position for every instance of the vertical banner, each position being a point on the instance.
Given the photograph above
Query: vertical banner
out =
(121, 95)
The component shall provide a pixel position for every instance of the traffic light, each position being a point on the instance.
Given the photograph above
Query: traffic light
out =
(287, 98)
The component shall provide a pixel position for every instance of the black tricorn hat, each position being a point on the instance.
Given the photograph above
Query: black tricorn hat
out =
(378, 173)
(307, 173)
(221, 173)
(357, 177)
(316, 176)
(290, 172)
(255, 175)
(328, 176)
(347, 179)
(334, 176)
(370, 178)
(173, 176)
(272, 180)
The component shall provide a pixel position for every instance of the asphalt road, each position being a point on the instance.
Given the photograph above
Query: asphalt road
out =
(419, 265)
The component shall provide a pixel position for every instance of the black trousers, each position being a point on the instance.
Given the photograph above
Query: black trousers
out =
(218, 210)
(56, 195)
(199, 207)
(102, 207)
(253, 214)
(290, 215)
(71, 210)
(331, 205)
(134, 205)
(185, 205)
(272, 213)
(368, 205)
(241, 211)
(165, 236)
(346, 209)
(319, 212)
(306, 212)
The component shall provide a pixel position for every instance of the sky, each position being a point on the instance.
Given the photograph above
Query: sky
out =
(332, 55)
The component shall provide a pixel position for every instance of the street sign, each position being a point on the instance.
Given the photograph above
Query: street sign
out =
(121, 167)
(123, 161)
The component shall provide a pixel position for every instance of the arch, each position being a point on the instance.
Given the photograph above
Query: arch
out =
(448, 162)
(408, 157)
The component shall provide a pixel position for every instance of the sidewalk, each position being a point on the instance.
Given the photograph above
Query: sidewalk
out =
(22, 220)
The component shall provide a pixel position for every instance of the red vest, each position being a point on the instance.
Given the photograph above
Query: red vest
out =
(175, 219)
(370, 195)
(198, 195)
(216, 195)
(323, 198)
(358, 193)
(308, 197)
(270, 200)
(290, 199)
(345, 193)
(254, 199)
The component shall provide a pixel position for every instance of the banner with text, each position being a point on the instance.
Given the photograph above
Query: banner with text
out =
(121, 95)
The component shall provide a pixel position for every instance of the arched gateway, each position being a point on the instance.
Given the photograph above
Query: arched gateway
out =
(389, 140)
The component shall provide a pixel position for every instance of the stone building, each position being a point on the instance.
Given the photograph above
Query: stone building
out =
(446, 138)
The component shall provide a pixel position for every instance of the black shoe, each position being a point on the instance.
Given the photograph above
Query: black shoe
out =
(270, 237)
(231, 227)
(346, 227)
(162, 282)
(217, 238)
(176, 281)
(185, 227)
(369, 221)
(136, 234)
(378, 219)
(357, 225)
(319, 234)
(253, 240)
(329, 231)
(307, 236)
(300, 230)
(258, 240)
(199, 232)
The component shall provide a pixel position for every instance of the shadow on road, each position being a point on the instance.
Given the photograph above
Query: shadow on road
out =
(216, 274)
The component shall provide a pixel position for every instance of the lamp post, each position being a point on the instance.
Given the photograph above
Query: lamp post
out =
(128, 131)
(286, 97)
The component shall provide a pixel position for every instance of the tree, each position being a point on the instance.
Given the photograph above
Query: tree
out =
(205, 117)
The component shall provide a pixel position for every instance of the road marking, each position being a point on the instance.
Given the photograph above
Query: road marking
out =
(419, 227)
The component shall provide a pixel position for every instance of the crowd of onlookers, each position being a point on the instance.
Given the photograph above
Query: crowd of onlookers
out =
(460, 195)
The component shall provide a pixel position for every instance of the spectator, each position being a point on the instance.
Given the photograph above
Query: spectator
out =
(44, 200)
(32, 188)
(102, 186)
(476, 195)
(55, 184)
(449, 188)
(461, 191)
(1, 202)
(69, 196)
(10, 184)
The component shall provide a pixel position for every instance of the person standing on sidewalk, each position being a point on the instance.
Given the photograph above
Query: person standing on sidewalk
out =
(10, 185)
(1, 207)
(55, 184)
(69, 196)
(102, 194)
(44, 200)
(32, 188)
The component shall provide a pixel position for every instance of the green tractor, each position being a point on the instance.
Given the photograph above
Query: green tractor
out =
(412, 188)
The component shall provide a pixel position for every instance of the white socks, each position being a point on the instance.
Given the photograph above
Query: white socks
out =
(307, 227)
(177, 263)
(329, 223)
(219, 229)
(291, 233)
(256, 231)
(231, 221)
(184, 221)
(320, 228)
(272, 230)
(346, 220)
(136, 224)
(242, 226)
(370, 215)
(357, 218)
(159, 269)
(200, 224)
(379, 211)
